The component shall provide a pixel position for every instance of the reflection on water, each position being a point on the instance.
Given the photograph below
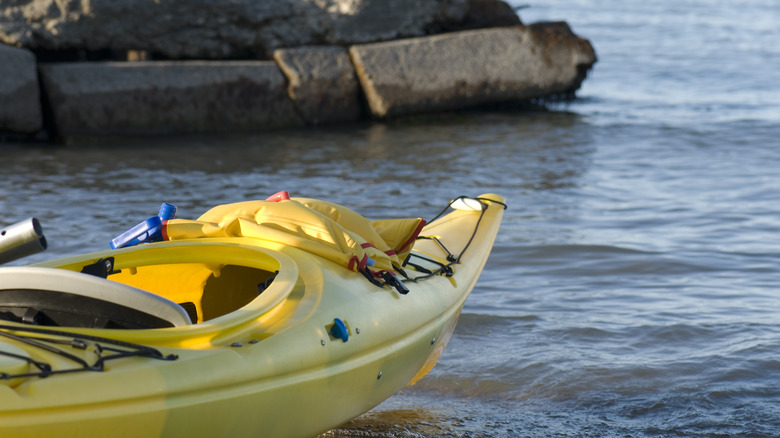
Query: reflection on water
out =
(84, 193)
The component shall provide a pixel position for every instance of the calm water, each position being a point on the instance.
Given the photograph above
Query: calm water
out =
(633, 290)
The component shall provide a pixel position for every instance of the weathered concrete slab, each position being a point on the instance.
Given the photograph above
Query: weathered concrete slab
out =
(471, 68)
(166, 97)
(321, 83)
(20, 103)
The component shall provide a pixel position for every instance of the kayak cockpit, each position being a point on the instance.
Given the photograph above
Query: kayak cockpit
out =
(61, 298)
(161, 286)
(206, 291)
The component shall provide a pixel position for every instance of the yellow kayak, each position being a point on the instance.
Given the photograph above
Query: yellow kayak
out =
(246, 322)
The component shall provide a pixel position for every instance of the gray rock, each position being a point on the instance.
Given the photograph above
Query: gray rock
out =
(216, 29)
(362, 21)
(20, 104)
(166, 97)
(471, 68)
(483, 14)
(321, 83)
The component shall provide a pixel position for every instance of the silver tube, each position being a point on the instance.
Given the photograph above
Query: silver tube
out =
(21, 239)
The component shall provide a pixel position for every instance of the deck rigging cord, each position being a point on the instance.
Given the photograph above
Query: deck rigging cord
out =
(100, 345)
(452, 259)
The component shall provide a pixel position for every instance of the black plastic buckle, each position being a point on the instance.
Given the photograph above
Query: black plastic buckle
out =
(101, 268)
(393, 281)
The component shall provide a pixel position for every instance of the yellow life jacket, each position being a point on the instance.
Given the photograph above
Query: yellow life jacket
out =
(323, 228)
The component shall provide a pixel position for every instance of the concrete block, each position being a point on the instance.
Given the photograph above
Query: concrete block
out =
(20, 102)
(471, 68)
(96, 98)
(321, 83)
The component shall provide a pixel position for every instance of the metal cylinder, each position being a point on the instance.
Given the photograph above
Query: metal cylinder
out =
(21, 239)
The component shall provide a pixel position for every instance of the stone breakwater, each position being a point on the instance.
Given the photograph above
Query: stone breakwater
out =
(304, 85)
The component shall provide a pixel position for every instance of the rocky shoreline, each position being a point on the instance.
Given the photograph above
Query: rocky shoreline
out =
(482, 56)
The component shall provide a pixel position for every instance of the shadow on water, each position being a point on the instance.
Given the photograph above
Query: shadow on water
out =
(427, 145)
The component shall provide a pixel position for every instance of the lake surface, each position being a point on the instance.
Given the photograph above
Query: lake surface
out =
(633, 288)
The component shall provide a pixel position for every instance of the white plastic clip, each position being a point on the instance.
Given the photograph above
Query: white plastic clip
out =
(468, 204)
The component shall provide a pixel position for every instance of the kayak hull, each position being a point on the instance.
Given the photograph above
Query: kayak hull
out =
(274, 366)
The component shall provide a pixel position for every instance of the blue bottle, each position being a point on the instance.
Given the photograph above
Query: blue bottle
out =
(147, 231)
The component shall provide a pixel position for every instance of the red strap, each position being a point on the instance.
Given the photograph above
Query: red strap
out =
(414, 235)
(164, 230)
(353, 261)
(363, 262)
